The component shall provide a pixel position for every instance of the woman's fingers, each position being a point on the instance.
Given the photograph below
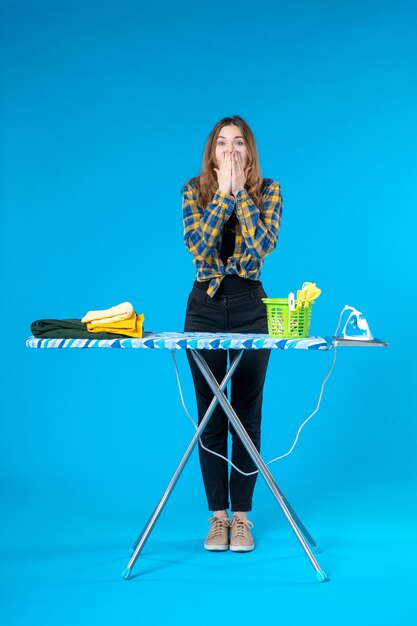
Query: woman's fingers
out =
(246, 170)
(237, 163)
(228, 163)
(224, 171)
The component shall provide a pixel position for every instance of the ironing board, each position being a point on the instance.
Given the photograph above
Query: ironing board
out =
(214, 341)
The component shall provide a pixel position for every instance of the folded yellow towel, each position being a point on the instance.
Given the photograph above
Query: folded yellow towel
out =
(131, 327)
(129, 323)
(113, 314)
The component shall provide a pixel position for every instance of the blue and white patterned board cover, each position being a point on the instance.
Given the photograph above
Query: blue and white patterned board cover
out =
(181, 341)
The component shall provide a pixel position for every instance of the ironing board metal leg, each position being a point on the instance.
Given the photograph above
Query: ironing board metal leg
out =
(257, 459)
(301, 527)
(141, 540)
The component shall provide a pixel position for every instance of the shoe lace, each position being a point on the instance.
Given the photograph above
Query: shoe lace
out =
(217, 524)
(240, 525)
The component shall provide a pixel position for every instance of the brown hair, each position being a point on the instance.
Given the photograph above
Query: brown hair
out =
(207, 182)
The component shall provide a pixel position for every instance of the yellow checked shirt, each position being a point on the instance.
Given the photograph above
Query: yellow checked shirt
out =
(256, 234)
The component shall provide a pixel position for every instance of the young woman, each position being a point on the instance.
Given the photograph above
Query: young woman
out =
(231, 219)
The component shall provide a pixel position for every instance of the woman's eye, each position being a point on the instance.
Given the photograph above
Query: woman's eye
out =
(220, 143)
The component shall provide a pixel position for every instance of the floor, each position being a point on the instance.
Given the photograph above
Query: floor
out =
(62, 566)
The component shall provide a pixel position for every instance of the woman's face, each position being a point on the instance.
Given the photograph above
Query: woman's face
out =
(231, 139)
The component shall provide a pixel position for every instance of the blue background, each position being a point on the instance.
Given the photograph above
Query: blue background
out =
(105, 110)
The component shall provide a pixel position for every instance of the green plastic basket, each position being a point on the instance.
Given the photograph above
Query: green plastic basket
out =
(285, 323)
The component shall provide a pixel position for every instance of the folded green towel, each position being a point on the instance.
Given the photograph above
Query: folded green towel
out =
(67, 329)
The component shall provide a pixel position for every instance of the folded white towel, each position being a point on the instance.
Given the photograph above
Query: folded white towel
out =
(113, 314)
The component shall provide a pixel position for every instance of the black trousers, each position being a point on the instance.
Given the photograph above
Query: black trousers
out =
(235, 313)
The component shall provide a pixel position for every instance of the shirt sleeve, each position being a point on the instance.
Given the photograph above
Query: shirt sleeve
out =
(202, 228)
(260, 227)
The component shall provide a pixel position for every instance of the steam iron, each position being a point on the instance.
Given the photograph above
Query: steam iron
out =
(356, 327)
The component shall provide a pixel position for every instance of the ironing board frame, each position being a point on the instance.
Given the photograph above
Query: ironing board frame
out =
(298, 527)
(240, 342)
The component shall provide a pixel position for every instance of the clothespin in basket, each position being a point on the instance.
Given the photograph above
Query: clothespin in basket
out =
(307, 294)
